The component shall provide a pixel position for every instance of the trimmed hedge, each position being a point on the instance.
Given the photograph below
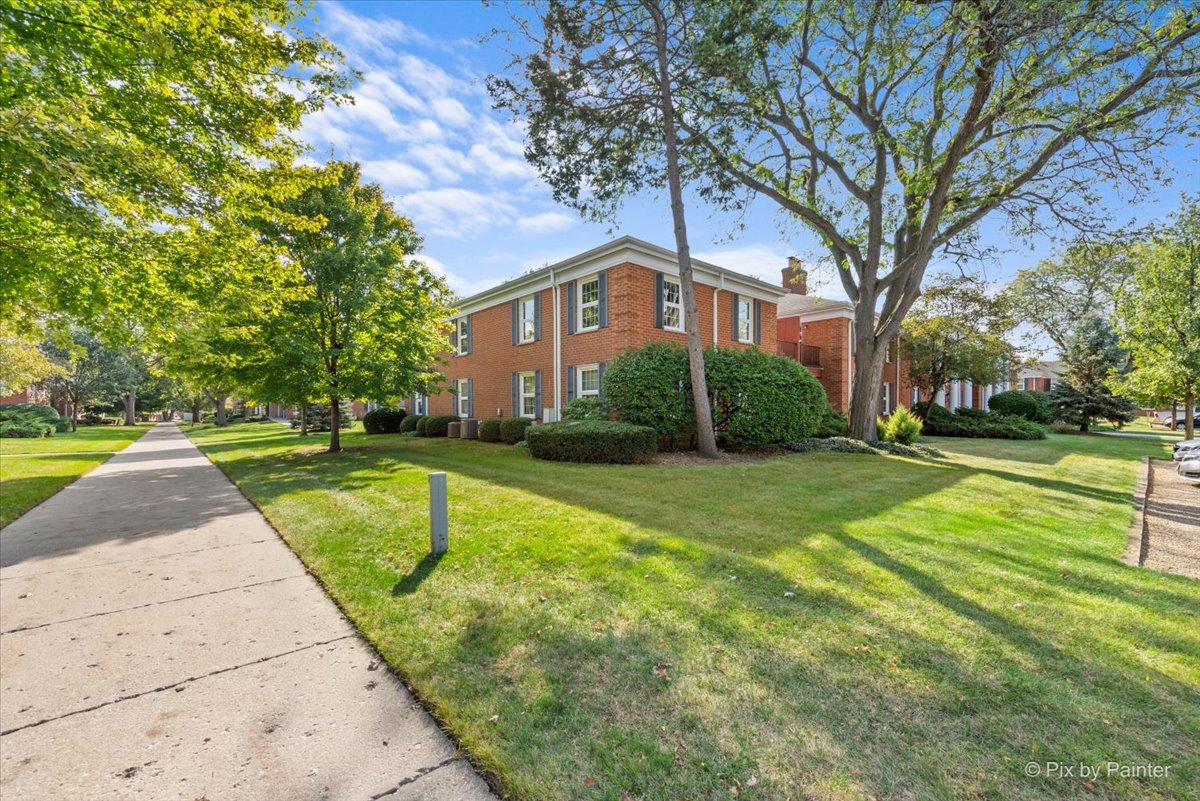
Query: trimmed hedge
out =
(25, 426)
(977, 423)
(589, 408)
(383, 421)
(757, 398)
(411, 422)
(512, 429)
(1019, 403)
(489, 430)
(435, 425)
(26, 415)
(592, 441)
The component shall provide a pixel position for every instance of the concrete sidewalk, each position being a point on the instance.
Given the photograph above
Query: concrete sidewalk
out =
(159, 641)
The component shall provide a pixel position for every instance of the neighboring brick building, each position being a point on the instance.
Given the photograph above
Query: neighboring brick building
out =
(819, 333)
(532, 344)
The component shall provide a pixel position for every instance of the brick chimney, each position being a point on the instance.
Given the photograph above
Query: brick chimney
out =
(795, 277)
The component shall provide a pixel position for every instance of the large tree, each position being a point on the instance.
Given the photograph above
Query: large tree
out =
(1080, 282)
(1091, 360)
(1158, 314)
(892, 128)
(118, 117)
(371, 315)
(596, 81)
(956, 332)
(90, 372)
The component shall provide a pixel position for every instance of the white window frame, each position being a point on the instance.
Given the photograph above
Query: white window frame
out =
(666, 306)
(591, 304)
(526, 324)
(462, 328)
(462, 387)
(580, 392)
(887, 397)
(745, 320)
(421, 404)
(531, 396)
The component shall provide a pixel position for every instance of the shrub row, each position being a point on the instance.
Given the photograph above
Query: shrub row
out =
(30, 420)
(845, 445)
(513, 429)
(383, 421)
(592, 441)
(965, 422)
(434, 425)
(410, 423)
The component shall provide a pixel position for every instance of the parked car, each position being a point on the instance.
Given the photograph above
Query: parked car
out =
(1186, 448)
(1181, 422)
(1189, 469)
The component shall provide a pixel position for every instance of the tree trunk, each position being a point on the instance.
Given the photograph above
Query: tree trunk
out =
(219, 403)
(304, 419)
(74, 417)
(1189, 414)
(868, 371)
(1174, 412)
(130, 401)
(335, 439)
(706, 441)
(195, 412)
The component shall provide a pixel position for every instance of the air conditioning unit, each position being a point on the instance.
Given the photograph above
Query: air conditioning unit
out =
(470, 428)
(549, 415)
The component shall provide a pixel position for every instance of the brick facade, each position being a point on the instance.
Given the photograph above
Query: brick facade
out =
(630, 300)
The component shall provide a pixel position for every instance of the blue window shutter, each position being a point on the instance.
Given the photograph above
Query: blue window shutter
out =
(570, 307)
(734, 318)
(470, 337)
(516, 392)
(470, 397)
(516, 312)
(604, 299)
(537, 393)
(603, 367)
(537, 317)
(658, 300)
(758, 322)
(570, 383)
(454, 400)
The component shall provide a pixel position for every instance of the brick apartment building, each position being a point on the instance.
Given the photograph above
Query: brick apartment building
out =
(530, 345)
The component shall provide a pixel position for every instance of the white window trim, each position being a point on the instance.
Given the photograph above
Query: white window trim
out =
(579, 371)
(462, 386)
(421, 404)
(579, 326)
(461, 324)
(521, 318)
(522, 395)
(682, 323)
(887, 397)
(745, 321)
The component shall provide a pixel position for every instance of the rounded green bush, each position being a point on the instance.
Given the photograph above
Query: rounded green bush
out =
(30, 418)
(902, 427)
(383, 421)
(1019, 403)
(435, 425)
(411, 422)
(649, 387)
(589, 408)
(759, 398)
(489, 430)
(512, 429)
(592, 441)
(941, 423)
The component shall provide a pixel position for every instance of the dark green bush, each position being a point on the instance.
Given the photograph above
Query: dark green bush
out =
(833, 424)
(34, 412)
(383, 421)
(971, 411)
(593, 441)
(1019, 403)
(512, 429)
(650, 387)
(25, 425)
(941, 423)
(319, 416)
(435, 425)
(759, 398)
(489, 430)
(590, 408)
(411, 422)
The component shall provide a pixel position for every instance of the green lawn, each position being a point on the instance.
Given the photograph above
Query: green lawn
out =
(816, 626)
(31, 470)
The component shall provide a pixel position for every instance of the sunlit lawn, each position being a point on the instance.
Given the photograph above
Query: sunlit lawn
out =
(816, 626)
(32, 470)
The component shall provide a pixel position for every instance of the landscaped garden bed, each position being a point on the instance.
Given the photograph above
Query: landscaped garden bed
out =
(817, 625)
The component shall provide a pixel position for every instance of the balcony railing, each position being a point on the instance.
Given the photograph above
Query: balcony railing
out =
(808, 355)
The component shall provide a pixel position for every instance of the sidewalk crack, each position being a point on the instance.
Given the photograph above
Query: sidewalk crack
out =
(420, 774)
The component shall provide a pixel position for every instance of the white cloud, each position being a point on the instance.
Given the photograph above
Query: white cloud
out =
(395, 176)
(546, 223)
(463, 287)
(445, 163)
(488, 162)
(456, 212)
(766, 262)
(377, 36)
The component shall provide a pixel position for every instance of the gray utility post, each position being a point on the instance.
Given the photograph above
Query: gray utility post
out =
(439, 517)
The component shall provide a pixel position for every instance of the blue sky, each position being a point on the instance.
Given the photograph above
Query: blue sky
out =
(422, 127)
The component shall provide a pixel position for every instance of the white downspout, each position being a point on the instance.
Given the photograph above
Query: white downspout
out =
(557, 349)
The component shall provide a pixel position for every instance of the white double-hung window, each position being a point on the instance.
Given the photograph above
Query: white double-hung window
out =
(464, 336)
(463, 387)
(528, 392)
(672, 304)
(527, 323)
(745, 320)
(589, 303)
(589, 380)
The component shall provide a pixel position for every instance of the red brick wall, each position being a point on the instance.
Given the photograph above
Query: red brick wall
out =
(833, 338)
(494, 358)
